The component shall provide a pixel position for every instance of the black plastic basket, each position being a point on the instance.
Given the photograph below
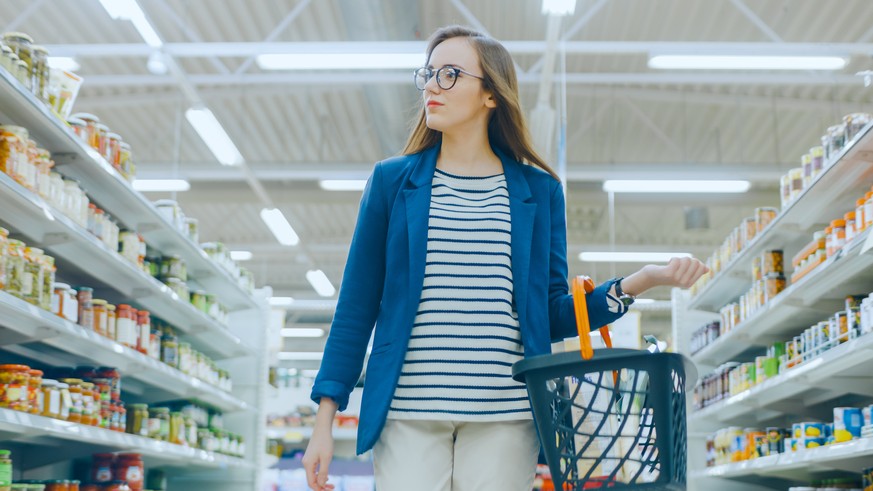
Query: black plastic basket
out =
(599, 434)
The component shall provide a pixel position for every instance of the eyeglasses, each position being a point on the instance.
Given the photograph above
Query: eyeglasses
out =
(445, 76)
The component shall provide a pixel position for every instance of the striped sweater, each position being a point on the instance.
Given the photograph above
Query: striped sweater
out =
(466, 333)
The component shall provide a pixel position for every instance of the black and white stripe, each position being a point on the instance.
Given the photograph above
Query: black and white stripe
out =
(466, 334)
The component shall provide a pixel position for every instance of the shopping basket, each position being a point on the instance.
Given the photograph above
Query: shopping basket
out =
(612, 418)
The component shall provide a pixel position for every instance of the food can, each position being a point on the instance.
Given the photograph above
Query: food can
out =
(772, 262)
(774, 284)
(847, 423)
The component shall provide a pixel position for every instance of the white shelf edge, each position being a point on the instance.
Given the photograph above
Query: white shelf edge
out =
(305, 432)
(39, 426)
(99, 346)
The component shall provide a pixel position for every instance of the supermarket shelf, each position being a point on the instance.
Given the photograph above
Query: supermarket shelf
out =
(22, 427)
(86, 256)
(299, 434)
(831, 195)
(815, 297)
(108, 188)
(837, 372)
(24, 323)
(799, 466)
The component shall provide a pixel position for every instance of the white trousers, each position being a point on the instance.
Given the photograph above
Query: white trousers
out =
(456, 456)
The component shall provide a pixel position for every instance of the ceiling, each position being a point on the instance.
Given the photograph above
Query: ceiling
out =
(623, 120)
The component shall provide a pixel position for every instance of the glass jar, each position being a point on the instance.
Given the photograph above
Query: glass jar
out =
(143, 330)
(125, 326)
(91, 133)
(22, 73)
(855, 122)
(111, 321)
(850, 226)
(122, 415)
(34, 275)
(66, 400)
(155, 343)
(100, 314)
(40, 72)
(4, 252)
(14, 382)
(22, 45)
(51, 397)
(860, 224)
(113, 142)
(796, 178)
(174, 267)
(138, 420)
(79, 127)
(868, 209)
(185, 361)
(102, 139)
(169, 209)
(86, 308)
(170, 349)
(48, 281)
(190, 431)
(15, 267)
(159, 423)
(129, 468)
(34, 386)
(89, 405)
(838, 139)
(838, 236)
(77, 402)
(177, 430)
(124, 160)
(6, 55)
(192, 229)
(101, 467)
(113, 378)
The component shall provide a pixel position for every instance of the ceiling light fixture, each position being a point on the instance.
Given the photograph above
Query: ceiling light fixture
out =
(340, 61)
(161, 185)
(302, 332)
(320, 283)
(241, 255)
(630, 257)
(753, 62)
(214, 136)
(559, 7)
(280, 301)
(279, 225)
(301, 355)
(343, 184)
(65, 63)
(130, 10)
(675, 186)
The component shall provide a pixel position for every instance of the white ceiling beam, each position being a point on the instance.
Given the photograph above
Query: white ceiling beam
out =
(757, 21)
(403, 78)
(190, 33)
(241, 50)
(576, 27)
(576, 171)
(279, 29)
(19, 19)
(654, 128)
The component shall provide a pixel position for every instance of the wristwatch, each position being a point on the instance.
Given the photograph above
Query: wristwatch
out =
(623, 297)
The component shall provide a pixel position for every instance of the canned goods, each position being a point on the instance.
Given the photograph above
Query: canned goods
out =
(842, 326)
(847, 423)
(763, 217)
(775, 440)
(774, 284)
(808, 429)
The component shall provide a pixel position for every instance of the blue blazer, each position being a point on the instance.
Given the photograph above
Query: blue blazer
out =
(384, 274)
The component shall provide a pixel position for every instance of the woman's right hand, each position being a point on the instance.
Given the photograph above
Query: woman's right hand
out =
(317, 459)
(319, 452)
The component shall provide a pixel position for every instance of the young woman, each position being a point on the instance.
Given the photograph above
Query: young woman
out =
(459, 260)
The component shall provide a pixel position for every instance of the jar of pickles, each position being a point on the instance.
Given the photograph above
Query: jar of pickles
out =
(159, 423)
(111, 321)
(138, 420)
(40, 71)
(14, 382)
(22, 45)
(34, 386)
(89, 405)
(86, 307)
(101, 318)
(125, 326)
(177, 428)
(34, 274)
(91, 133)
(77, 402)
(51, 398)
(170, 349)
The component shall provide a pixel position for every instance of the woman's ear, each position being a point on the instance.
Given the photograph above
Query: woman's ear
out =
(490, 101)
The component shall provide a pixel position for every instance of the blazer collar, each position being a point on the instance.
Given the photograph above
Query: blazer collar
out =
(422, 174)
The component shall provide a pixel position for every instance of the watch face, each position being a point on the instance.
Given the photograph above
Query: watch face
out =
(627, 300)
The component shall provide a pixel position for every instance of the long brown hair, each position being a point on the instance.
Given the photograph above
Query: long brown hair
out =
(507, 129)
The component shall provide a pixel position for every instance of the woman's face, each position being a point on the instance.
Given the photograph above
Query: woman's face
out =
(466, 104)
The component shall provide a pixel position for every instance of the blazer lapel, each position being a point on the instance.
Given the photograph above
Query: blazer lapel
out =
(417, 197)
(522, 213)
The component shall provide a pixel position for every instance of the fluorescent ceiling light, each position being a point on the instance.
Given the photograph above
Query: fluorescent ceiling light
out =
(301, 332)
(161, 185)
(278, 224)
(65, 63)
(130, 10)
(343, 184)
(726, 62)
(671, 186)
(630, 257)
(281, 301)
(214, 136)
(301, 355)
(320, 283)
(559, 7)
(340, 61)
(241, 255)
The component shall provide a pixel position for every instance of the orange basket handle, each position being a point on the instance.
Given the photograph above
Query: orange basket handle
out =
(581, 286)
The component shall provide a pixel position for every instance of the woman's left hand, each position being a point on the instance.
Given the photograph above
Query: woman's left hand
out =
(680, 272)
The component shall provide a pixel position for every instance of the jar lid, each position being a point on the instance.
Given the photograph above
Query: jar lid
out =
(160, 409)
(110, 307)
(860, 202)
(6, 49)
(838, 223)
(76, 122)
(35, 373)
(139, 406)
(5, 452)
(14, 368)
(87, 117)
(40, 48)
(113, 136)
(88, 385)
(124, 145)
(72, 381)
(85, 289)
(166, 202)
(98, 301)
(849, 216)
(47, 382)
(63, 385)
(21, 35)
(102, 127)
(829, 230)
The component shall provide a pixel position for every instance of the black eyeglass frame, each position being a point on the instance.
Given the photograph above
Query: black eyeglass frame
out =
(427, 73)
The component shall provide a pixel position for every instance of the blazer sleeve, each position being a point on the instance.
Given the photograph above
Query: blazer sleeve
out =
(359, 299)
(562, 314)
